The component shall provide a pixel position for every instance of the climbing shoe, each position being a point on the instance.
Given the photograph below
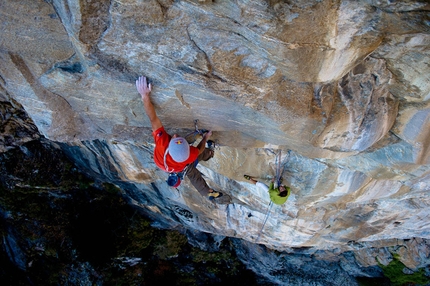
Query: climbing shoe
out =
(247, 177)
(214, 195)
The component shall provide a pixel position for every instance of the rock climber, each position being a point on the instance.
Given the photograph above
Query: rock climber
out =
(277, 195)
(173, 154)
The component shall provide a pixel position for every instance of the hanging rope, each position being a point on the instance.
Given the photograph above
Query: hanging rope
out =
(278, 168)
(265, 220)
(279, 171)
(281, 167)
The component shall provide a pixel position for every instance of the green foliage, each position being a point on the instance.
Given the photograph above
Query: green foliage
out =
(139, 236)
(171, 245)
(111, 188)
(217, 262)
(71, 229)
(394, 272)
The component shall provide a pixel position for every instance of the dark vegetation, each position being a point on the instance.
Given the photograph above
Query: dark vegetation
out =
(59, 227)
(395, 272)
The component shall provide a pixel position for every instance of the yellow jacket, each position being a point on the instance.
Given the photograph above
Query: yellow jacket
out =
(274, 194)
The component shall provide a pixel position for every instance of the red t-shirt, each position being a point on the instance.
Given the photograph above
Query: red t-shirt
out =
(162, 140)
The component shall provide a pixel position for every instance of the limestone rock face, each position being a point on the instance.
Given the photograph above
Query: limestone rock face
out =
(343, 85)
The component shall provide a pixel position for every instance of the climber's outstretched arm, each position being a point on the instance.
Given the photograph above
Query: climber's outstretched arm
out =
(201, 145)
(144, 89)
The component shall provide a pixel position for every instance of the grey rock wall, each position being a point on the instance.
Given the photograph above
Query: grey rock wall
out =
(344, 85)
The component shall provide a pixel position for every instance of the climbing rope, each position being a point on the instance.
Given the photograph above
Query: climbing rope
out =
(278, 167)
(265, 220)
(279, 171)
(281, 167)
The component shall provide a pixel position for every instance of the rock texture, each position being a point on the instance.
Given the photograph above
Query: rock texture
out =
(344, 85)
(16, 127)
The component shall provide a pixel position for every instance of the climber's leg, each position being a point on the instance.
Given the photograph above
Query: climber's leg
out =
(197, 180)
(262, 186)
(206, 155)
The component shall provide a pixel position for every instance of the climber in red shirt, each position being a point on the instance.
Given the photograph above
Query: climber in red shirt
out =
(173, 154)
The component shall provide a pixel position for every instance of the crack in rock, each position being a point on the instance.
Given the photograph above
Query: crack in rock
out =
(181, 99)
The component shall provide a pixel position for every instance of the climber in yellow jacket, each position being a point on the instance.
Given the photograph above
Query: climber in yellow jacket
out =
(277, 195)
